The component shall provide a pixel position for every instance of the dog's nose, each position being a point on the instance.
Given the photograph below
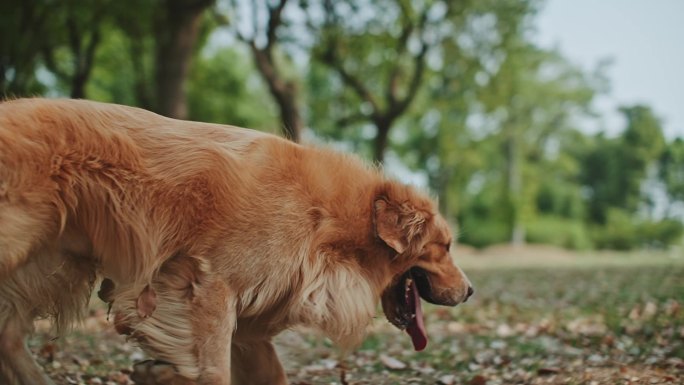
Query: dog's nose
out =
(470, 292)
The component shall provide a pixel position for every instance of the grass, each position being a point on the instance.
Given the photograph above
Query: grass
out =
(535, 318)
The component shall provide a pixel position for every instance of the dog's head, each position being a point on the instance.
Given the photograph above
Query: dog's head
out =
(419, 240)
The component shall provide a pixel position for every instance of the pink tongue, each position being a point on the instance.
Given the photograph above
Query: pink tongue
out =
(416, 328)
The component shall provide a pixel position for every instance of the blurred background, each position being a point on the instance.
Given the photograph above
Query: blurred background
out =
(551, 132)
(532, 121)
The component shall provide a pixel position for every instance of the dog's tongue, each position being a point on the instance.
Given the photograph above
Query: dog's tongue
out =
(416, 328)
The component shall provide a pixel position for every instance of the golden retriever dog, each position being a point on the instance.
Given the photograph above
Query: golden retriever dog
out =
(208, 240)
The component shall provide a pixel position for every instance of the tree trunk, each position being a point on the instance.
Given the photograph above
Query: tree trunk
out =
(141, 87)
(514, 180)
(380, 142)
(78, 86)
(176, 32)
(284, 92)
(285, 95)
(289, 115)
(84, 61)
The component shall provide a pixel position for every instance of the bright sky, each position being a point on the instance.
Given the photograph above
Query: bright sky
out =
(644, 38)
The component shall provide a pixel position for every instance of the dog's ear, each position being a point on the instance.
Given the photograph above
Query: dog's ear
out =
(397, 224)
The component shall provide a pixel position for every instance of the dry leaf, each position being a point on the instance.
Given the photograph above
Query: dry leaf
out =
(391, 362)
(478, 380)
(547, 371)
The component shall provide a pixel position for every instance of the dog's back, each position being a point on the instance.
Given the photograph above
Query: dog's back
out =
(122, 175)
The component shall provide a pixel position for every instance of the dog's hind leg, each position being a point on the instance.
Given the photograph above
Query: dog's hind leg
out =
(17, 367)
(21, 230)
(49, 284)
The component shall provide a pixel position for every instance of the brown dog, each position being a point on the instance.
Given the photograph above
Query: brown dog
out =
(210, 237)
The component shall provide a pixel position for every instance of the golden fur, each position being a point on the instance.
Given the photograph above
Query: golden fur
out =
(239, 234)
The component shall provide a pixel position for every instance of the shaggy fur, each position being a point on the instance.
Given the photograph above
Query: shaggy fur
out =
(239, 235)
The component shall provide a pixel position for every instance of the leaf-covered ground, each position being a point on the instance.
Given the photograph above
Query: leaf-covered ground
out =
(535, 319)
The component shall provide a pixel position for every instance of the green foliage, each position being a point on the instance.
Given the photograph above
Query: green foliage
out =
(492, 121)
(24, 25)
(672, 169)
(561, 199)
(558, 231)
(482, 222)
(482, 232)
(112, 79)
(622, 232)
(643, 136)
(615, 168)
(222, 89)
(618, 233)
(660, 234)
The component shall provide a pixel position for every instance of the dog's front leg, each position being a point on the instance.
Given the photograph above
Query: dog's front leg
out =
(256, 363)
(185, 319)
(205, 351)
(213, 321)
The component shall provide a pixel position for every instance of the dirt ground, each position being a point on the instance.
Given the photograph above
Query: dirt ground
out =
(539, 316)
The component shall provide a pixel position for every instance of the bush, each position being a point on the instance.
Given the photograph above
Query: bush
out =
(660, 234)
(563, 232)
(483, 232)
(618, 233)
(623, 232)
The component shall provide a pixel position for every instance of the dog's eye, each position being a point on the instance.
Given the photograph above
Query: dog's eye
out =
(448, 246)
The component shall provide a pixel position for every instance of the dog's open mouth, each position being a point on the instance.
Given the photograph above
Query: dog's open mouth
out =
(402, 306)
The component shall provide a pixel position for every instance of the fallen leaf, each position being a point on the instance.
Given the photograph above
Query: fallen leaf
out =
(503, 330)
(478, 380)
(672, 308)
(48, 351)
(391, 362)
(547, 371)
(650, 309)
(608, 340)
(329, 363)
(80, 361)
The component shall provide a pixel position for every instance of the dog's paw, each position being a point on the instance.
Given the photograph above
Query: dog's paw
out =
(154, 372)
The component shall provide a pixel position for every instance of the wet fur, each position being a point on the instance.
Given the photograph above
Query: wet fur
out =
(241, 234)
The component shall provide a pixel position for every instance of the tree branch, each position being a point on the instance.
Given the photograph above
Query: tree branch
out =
(239, 35)
(417, 77)
(51, 64)
(74, 36)
(351, 119)
(333, 61)
(401, 46)
(400, 105)
(274, 21)
(282, 90)
(93, 43)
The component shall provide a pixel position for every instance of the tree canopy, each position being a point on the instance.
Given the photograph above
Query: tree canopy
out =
(457, 94)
